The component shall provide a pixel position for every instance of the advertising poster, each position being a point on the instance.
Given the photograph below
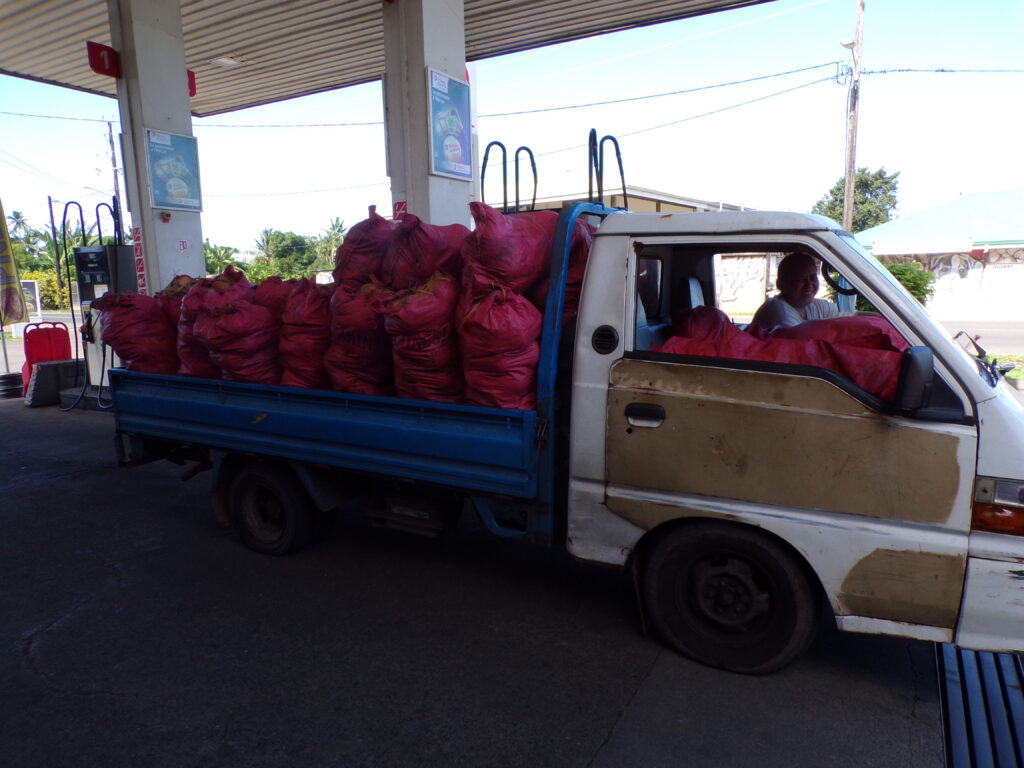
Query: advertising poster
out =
(174, 171)
(33, 301)
(451, 153)
(12, 303)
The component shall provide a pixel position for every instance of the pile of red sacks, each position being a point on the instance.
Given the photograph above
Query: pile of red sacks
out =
(867, 350)
(418, 311)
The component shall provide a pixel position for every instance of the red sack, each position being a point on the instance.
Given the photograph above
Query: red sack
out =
(193, 355)
(579, 251)
(241, 337)
(424, 350)
(505, 379)
(857, 331)
(170, 305)
(498, 342)
(233, 284)
(513, 250)
(360, 364)
(707, 331)
(475, 285)
(358, 358)
(137, 329)
(427, 308)
(273, 294)
(427, 367)
(503, 321)
(305, 336)
(171, 296)
(418, 250)
(359, 256)
(355, 311)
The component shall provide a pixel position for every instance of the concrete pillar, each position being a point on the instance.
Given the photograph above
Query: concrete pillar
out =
(156, 126)
(421, 35)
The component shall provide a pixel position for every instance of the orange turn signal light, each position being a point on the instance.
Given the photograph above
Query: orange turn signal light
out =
(998, 518)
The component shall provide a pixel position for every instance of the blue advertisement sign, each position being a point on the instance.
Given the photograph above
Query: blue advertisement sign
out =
(451, 153)
(174, 171)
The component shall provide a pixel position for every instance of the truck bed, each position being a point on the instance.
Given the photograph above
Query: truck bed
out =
(462, 446)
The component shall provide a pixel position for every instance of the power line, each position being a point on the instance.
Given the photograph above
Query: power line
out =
(703, 114)
(295, 125)
(941, 70)
(304, 191)
(668, 93)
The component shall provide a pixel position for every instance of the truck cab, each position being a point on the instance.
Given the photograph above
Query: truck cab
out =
(747, 485)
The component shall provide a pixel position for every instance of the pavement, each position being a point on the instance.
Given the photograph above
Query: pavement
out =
(138, 632)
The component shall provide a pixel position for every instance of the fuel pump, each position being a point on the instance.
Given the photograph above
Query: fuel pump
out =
(100, 268)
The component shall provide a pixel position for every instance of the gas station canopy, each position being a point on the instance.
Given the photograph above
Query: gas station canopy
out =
(250, 52)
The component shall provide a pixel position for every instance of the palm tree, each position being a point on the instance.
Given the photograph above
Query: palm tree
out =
(327, 244)
(218, 257)
(263, 245)
(18, 224)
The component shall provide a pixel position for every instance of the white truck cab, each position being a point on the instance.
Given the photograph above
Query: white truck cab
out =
(746, 486)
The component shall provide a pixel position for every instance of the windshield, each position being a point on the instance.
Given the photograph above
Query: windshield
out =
(879, 267)
(961, 341)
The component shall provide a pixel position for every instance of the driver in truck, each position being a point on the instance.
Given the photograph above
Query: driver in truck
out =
(796, 301)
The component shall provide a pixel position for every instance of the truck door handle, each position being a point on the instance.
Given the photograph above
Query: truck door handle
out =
(645, 414)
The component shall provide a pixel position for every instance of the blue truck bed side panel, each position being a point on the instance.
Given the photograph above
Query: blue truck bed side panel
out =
(464, 446)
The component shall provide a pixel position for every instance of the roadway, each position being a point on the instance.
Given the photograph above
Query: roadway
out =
(137, 631)
(996, 337)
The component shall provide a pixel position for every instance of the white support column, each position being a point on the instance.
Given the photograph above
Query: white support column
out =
(422, 34)
(153, 95)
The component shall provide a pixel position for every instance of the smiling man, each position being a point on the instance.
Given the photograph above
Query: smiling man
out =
(796, 301)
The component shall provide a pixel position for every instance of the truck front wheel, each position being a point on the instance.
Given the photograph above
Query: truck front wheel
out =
(269, 509)
(730, 597)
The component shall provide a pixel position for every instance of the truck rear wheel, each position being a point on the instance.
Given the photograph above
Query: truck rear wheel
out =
(270, 510)
(730, 597)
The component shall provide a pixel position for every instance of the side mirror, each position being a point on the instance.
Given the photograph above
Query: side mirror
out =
(917, 372)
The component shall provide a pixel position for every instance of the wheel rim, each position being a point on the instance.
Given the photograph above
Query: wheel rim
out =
(263, 514)
(728, 593)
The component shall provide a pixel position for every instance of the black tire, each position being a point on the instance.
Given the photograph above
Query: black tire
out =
(10, 385)
(269, 509)
(730, 597)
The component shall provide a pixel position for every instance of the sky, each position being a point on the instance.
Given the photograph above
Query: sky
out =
(774, 142)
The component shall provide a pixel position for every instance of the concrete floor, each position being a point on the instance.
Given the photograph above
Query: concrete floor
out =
(138, 632)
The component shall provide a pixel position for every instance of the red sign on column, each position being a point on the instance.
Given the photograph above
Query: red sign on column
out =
(103, 60)
(140, 261)
(399, 208)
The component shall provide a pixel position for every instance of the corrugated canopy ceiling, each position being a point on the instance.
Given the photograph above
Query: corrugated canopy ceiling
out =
(291, 48)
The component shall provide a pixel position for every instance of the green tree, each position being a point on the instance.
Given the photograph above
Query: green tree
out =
(17, 224)
(289, 254)
(257, 269)
(915, 278)
(263, 244)
(218, 257)
(27, 258)
(51, 253)
(326, 245)
(874, 199)
(51, 295)
(918, 281)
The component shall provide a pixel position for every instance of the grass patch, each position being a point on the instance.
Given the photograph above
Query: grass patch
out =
(1016, 373)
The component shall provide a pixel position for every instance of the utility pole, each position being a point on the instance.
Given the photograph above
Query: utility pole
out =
(113, 165)
(851, 121)
(56, 250)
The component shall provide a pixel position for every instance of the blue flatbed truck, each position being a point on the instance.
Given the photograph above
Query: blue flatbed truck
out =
(500, 461)
(751, 498)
